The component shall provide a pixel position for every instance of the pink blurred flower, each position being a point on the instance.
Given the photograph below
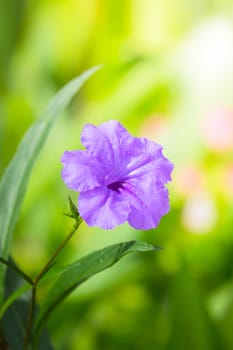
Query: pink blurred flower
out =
(187, 179)
(217, 130)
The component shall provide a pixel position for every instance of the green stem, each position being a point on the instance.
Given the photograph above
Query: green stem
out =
(39, 277)
(58, 250)
(30, 318)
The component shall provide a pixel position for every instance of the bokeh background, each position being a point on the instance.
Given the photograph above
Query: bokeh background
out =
(167, 75)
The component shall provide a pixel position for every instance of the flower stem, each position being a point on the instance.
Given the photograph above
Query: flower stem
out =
(58, 250)
(30, 317)
(39, 277)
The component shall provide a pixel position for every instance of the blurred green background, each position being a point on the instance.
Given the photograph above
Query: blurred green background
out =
(168, 76)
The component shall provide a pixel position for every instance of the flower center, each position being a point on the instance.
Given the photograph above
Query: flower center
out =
(115, 186)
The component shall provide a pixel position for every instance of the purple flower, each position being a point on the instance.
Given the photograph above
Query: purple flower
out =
(120, 177)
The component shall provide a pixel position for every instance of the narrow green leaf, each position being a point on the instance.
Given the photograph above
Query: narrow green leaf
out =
(14, 326)
(12, 297)
(14, 182)
(15, 316)
(81, 270)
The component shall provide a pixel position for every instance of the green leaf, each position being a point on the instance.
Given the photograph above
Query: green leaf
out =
(15, 318)
(16, 176)
(81, 270)
(12, 297)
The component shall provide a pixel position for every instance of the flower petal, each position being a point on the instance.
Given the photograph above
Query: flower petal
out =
(103, 207)
(109, 143)
(81, 172)
(149, 161)
(149, 214)
(148, 171)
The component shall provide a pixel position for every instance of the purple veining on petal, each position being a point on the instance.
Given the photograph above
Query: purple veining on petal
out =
(120, 177)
